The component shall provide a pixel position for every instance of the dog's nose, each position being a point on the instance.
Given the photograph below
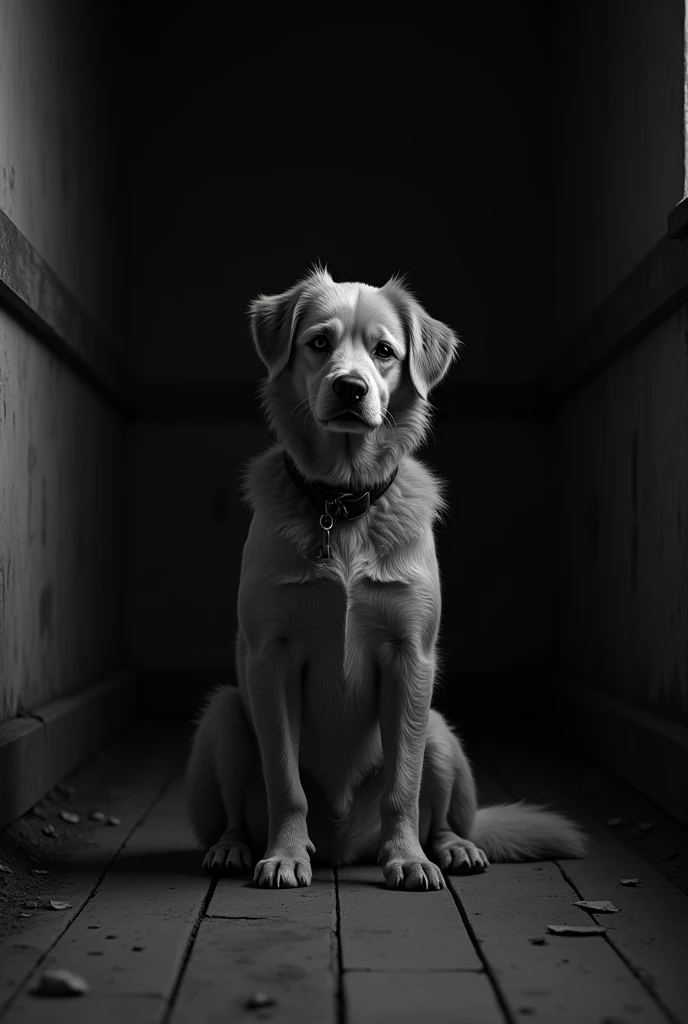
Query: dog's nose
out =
(350, 388)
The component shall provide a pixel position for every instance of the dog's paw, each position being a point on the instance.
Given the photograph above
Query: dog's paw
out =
(418, 875)
(282, 873)
(458, 856)
(228, 855)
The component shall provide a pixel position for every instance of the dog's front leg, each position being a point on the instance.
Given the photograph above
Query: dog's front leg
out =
(405, 692)
(274, 688)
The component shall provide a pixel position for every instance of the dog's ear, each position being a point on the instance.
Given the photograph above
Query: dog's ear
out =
(274, 319)
(432, 346)
(273, 323)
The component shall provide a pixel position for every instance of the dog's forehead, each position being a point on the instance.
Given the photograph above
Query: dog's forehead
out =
(359, 307)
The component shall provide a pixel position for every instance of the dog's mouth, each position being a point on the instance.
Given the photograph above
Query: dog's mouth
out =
(347, 420)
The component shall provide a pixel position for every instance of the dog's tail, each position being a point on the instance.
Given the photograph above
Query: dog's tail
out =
(523, 831)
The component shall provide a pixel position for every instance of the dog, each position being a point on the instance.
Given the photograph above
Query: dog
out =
(329, 748)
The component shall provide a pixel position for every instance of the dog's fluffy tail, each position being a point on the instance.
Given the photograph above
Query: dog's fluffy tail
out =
(523, 831)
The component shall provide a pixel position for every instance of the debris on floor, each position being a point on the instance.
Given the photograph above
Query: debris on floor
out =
(60, 905)
(576, 929)
(49, 830)
(259, 1000)
(61, 982)
(538, 940)
(6, 869)
(98, 816)
(614, 822)
(70, 817)
(597, 906)
(635, 882)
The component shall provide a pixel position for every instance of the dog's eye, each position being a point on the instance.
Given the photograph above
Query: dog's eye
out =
(383, 351)
(319, 343)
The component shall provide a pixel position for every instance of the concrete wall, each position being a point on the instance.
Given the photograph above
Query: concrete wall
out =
(620, 445)
(373, 166)
(62, 445)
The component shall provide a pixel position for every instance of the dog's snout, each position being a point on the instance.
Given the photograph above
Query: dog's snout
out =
(350, 388)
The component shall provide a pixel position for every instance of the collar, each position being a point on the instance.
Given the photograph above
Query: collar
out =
(332, 500)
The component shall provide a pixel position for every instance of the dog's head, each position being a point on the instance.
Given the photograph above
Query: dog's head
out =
(349, 359)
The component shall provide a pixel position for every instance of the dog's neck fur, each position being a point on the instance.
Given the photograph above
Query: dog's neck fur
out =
(354, 462)
(411, 505)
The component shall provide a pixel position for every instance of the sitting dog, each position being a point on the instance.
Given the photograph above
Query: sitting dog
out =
(329, 743)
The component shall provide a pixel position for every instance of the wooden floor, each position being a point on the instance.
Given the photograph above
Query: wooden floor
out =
(157, 941)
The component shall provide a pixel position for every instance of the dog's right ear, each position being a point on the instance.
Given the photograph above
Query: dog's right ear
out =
(273, 324)
(274, 319)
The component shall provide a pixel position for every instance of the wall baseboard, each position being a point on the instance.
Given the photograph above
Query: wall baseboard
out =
(39, 749)
(641, 747)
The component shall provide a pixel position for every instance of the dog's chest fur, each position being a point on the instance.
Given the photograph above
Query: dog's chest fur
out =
(340, 619)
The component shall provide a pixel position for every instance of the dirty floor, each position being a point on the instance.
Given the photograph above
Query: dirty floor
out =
(121, 901)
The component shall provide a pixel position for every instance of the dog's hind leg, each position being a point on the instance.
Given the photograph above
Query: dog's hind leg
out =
(448, 801)
(221, 757)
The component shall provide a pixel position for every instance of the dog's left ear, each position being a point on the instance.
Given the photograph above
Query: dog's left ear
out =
(432, 345)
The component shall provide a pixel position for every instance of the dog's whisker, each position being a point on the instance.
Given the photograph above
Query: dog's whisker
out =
(305, 401)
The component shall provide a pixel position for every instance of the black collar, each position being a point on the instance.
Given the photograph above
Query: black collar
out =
(332, 500)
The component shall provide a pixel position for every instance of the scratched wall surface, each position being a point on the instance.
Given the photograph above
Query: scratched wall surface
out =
(62, 474)
(622, 525)
(61, 527)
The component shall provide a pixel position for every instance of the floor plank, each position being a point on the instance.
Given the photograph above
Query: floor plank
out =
(568, 979)
(279, 942)
(131, 938)
(441, 997)
(394, 930)
(124, 781)
(651, 930)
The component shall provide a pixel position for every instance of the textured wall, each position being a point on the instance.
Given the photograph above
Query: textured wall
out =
(619, 452)
(62, 446)
(622, 525)
(62, 473)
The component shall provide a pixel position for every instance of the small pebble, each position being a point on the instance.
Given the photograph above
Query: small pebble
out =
(6, 869)
(538, 941)
(38, 812)
(60, 982)
(114, 821)
(137, 949)
(642, 828)
(631, 881)
(59, 905)
(49, 830)
(25, 914)
(614, 822)
(98, 816)
(73, 819)
(258, 1000)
